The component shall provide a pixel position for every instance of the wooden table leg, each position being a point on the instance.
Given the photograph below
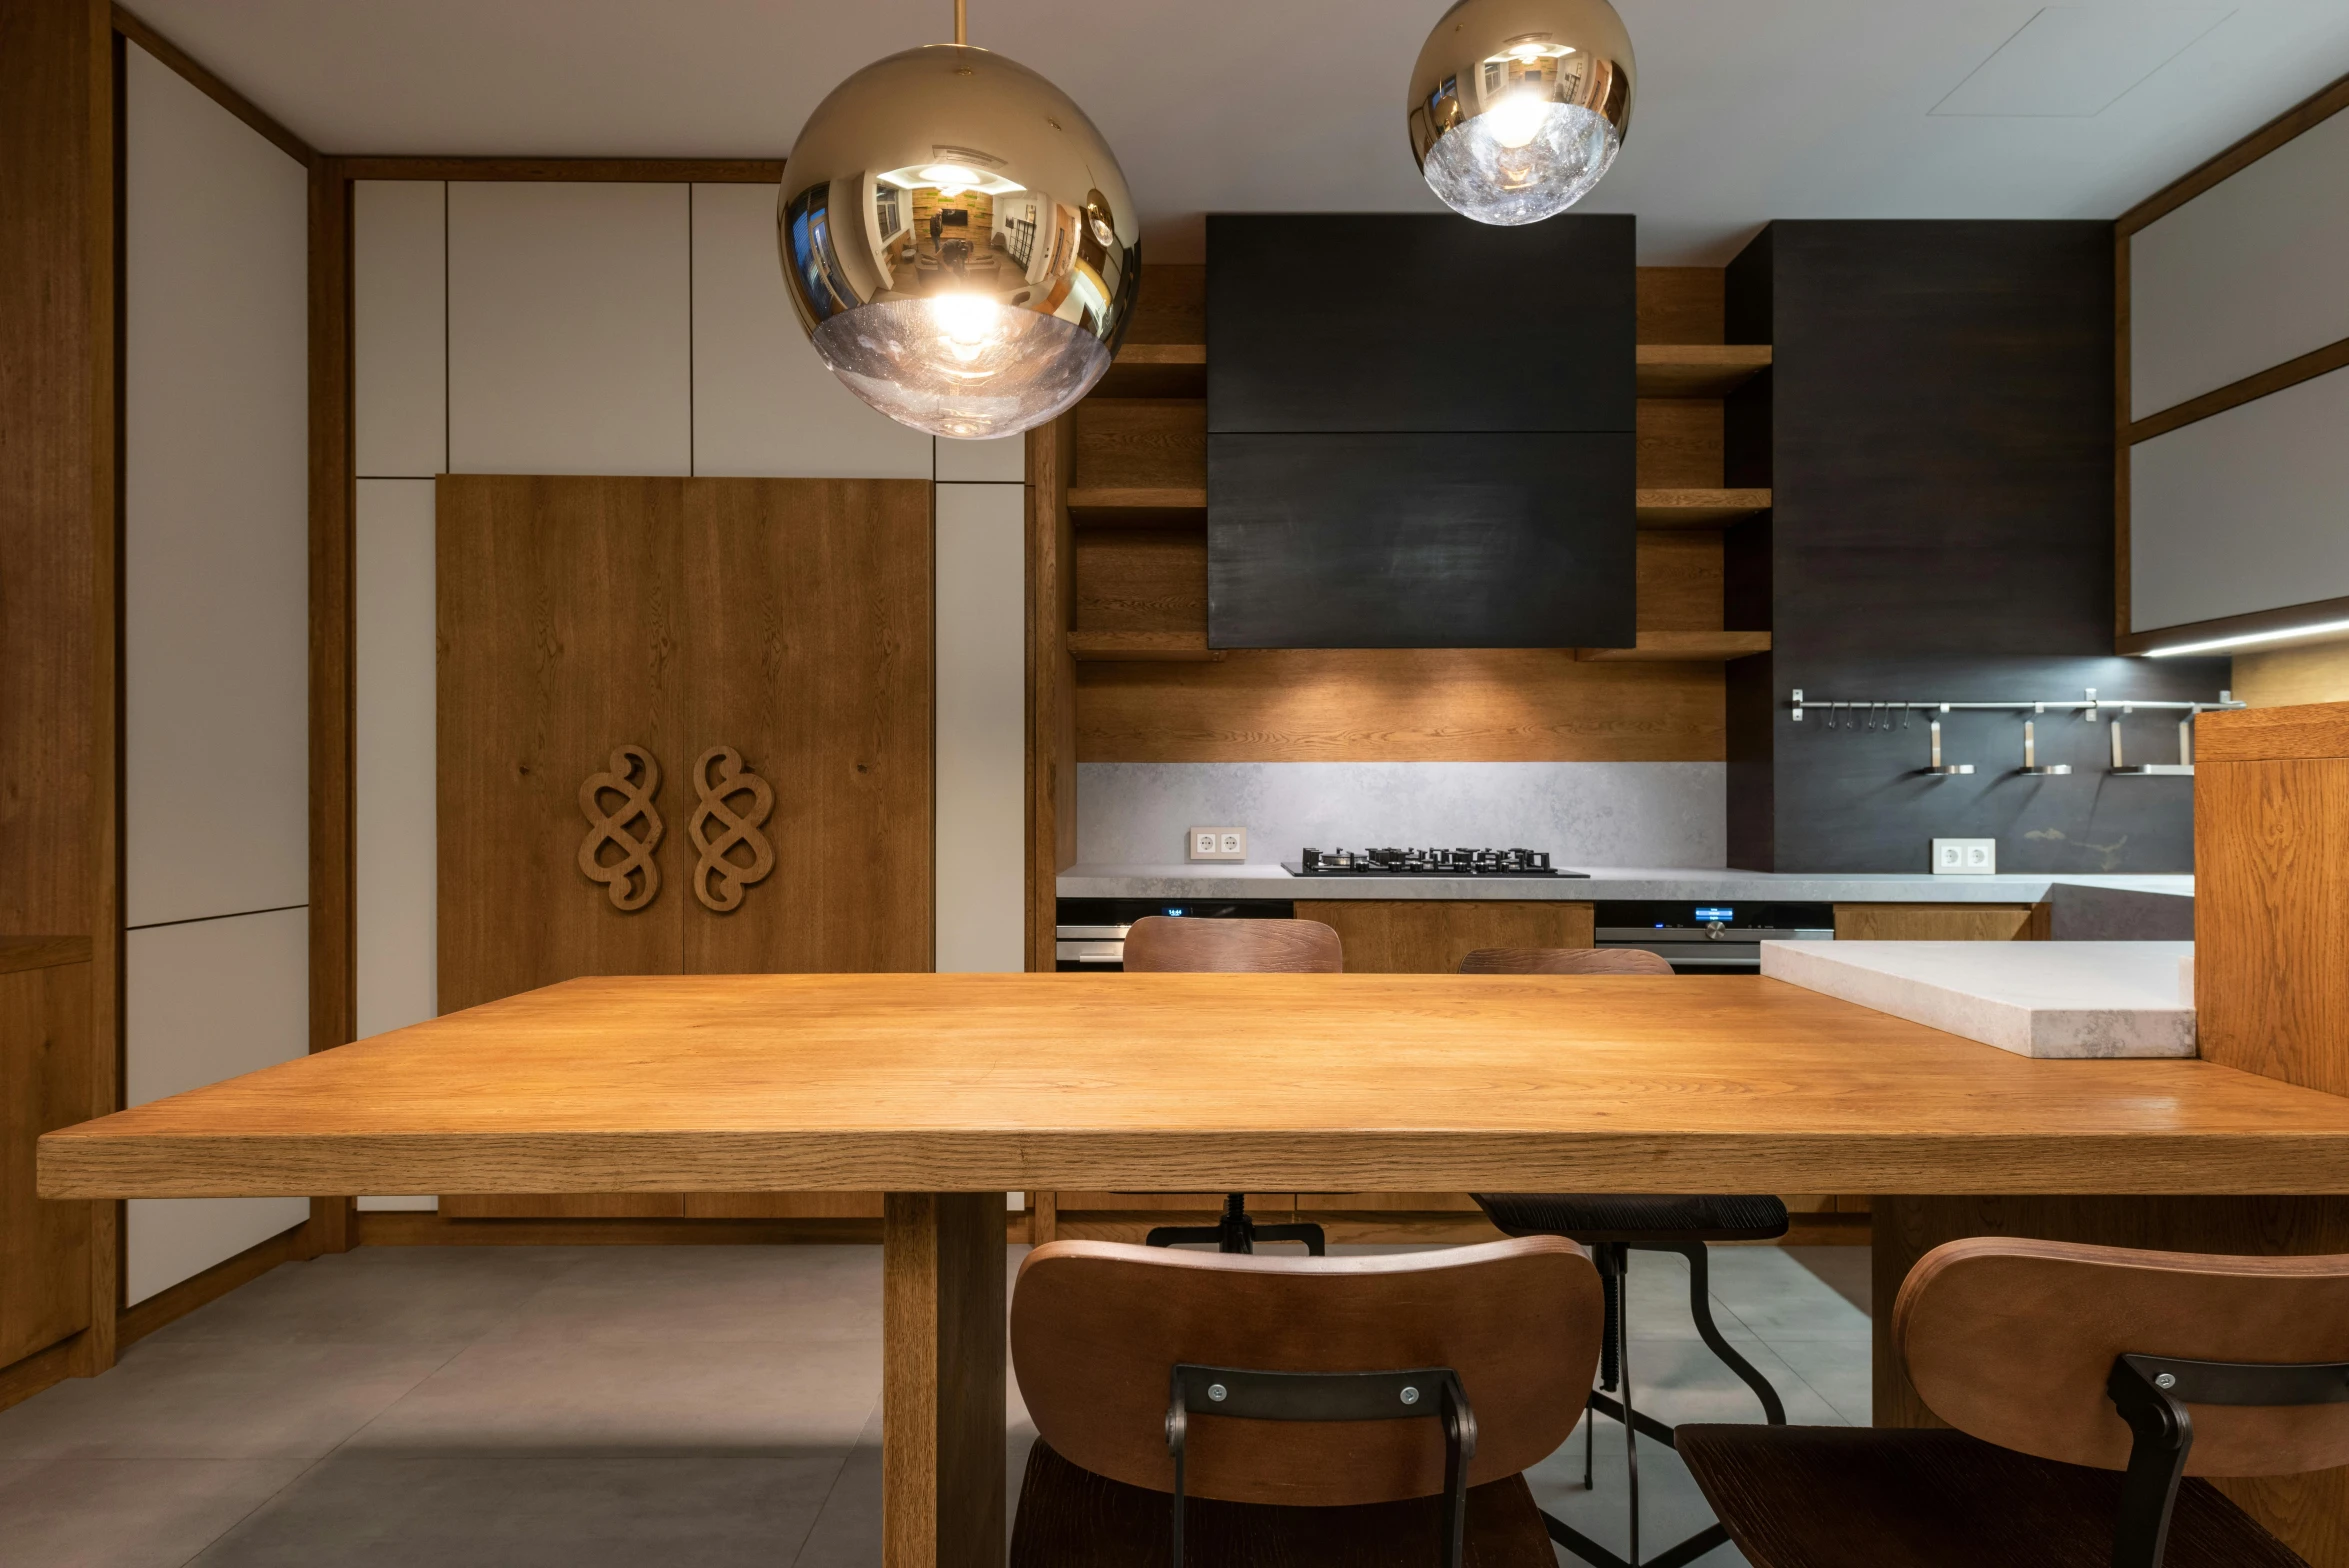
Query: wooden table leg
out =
(942, 1334)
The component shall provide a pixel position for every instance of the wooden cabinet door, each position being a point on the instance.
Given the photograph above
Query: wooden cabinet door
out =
(1941, 922)
(787, 621)
(45, 1084)
(1429, 936)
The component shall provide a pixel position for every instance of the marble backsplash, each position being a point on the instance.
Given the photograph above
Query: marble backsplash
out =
(1649, 814)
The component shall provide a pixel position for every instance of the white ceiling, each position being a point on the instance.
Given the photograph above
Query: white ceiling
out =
(1747, 109)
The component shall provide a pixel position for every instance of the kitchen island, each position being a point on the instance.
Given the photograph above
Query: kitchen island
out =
(1605, 884)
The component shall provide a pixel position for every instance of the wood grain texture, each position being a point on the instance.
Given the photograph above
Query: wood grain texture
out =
(1678, 443)
(1940, 923)
(2311, 1512)
(1695, 507)
(1178, 647)
(1680, 648)
(2271, 846)
(1401, 705)
(333, 648)
(416, 1228)
(2311, 111)
(2314, 731)
(561, 635)
(1157, 944)
(1564, 961)
(1095, 1326)
(1430, 936)
(20, 953)
(942, 1384)
(807, 631)
(1698, 370)
(1052, 682)
(1126, 444)
(2289, 676)
(1680, 582)
(1014, 1082)
(563, 1206)
(783, 1205)
(1141, 580)
(60, 692)
(2013, 1340)
(46, 1069)
(1679, 304)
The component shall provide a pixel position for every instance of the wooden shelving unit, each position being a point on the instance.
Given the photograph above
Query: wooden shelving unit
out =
(1687, 507)
(1164, 498)
(1698, 369)
(1680, 647)
(1142, 648)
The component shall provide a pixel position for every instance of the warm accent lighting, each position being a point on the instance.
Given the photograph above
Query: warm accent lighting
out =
(2247, 639)
(1512, 124)
(958, 242)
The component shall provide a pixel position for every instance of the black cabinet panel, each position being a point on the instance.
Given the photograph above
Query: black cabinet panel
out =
(1420, 541)
(1407, 322)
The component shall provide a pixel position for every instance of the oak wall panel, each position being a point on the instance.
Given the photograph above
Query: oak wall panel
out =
(1429, 936)
(45, 1083)
(1407, 704)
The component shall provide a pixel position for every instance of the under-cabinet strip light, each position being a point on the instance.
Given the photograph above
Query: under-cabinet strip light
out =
(2248, 638)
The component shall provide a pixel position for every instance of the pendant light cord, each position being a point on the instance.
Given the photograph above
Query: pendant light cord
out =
(959, 27)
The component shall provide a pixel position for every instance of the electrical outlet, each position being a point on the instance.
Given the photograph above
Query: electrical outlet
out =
(1965, 857)
(1219, 843)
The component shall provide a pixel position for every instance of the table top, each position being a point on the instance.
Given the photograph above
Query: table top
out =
(1201, 1082)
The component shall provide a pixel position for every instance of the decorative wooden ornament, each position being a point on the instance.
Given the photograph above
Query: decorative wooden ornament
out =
(718, 878)
(633, 880)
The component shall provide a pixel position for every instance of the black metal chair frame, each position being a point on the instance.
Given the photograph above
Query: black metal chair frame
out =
(1248, 1395)
(2152, 1393)
(1614, 1261)
(1234, 1231)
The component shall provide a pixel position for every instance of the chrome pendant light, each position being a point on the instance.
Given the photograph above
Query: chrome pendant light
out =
(1518, 106)
(958, 241)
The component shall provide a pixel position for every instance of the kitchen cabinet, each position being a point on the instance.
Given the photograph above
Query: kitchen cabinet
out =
(1941, 922)
(1422, 936)
(1420, 433)
(45, 1083)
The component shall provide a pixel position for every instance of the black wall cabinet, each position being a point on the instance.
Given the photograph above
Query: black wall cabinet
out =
(1419, 541)
(1420, 432)
(1937, 433)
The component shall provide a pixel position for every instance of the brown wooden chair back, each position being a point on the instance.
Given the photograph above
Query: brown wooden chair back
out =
(2012, 1341)
(1097, 1328)
(1564, 961)
(1159, 944)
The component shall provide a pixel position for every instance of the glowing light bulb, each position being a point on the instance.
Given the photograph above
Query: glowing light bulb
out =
(1517, 119)
(971, 324)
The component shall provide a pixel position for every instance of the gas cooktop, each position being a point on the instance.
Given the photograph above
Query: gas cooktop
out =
(1425, 863)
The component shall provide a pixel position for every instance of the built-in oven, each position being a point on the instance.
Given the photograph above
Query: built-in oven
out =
(1091, 932)
(1719, 938)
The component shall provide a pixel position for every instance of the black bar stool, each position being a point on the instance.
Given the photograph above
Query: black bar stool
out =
(1613, 1226)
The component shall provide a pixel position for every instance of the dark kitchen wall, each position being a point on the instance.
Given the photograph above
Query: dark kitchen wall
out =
(1937, 429)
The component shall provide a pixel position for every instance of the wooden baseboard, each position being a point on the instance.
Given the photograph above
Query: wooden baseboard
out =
(133, 1324)
(21, 1380)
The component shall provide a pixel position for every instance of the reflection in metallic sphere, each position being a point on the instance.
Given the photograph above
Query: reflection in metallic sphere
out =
(958, 241)
(1518, 107)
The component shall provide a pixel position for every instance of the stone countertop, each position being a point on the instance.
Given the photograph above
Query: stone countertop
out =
(2054, 999)
(1604, 884)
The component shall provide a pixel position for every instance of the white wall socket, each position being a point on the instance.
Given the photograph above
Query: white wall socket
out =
(1965, 857)
(1218, 843)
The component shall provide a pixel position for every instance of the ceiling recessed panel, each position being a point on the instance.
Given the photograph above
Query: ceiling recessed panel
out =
(2075, 61)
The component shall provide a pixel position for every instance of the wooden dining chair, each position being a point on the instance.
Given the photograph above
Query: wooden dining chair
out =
(2090, 1388)
(1171, 944)
(1613, 1226)
(1255, 1412)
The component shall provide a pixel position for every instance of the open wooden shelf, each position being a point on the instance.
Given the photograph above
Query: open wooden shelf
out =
(1163, 498)
(1697, 369)
(1680, 648)
(1185, 647)
(1156, 370)
(1693, 508)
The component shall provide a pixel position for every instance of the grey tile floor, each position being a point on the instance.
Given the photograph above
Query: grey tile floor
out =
(498, 1407)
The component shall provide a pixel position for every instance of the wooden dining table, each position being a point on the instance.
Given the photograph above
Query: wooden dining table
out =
(946, 1091)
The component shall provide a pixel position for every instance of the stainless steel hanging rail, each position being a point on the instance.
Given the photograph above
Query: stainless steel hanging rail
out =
(2088, 706)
